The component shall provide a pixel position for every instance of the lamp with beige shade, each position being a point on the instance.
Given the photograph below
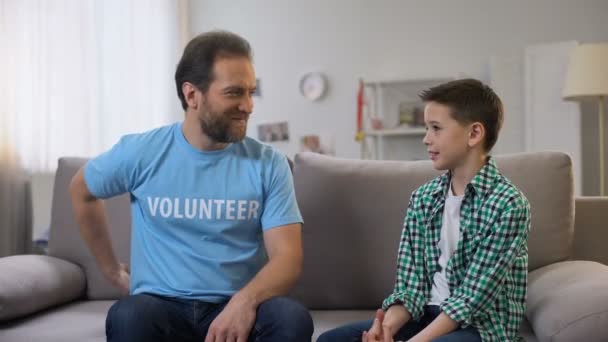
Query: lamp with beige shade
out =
(587, 79)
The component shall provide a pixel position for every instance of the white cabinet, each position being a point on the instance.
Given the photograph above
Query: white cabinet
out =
(393, 125)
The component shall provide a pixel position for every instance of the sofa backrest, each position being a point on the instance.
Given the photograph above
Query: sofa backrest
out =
(354, 210)
(65, 241)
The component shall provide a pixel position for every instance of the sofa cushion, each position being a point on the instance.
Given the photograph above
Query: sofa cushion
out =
(354, 210)
(568, 301)
(547, 181)
(66, 242)
(29, 283)
(77, 322)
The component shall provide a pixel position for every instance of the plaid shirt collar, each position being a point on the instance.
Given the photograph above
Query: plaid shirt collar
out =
(481, 184)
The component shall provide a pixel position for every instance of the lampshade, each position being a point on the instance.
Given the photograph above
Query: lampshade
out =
(587, 75)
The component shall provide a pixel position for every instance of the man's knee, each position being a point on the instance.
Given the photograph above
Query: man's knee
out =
(134, 316)
(288, 318)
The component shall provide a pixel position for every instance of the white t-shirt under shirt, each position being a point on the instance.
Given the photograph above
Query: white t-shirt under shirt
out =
(450, 235)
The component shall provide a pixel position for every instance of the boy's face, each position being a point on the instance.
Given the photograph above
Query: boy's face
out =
(447, 140)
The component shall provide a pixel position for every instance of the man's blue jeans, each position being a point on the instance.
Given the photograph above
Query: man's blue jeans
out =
(145, 317)
(353, 332)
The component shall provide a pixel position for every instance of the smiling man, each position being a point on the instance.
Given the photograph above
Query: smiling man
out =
(216, 230)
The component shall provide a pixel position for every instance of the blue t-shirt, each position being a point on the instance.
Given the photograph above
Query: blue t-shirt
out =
(197, 217)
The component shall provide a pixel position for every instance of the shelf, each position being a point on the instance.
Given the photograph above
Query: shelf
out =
(396, 132)
(394, 101)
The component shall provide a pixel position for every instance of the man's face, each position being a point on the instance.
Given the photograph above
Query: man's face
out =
(228, 102)
(446, 139)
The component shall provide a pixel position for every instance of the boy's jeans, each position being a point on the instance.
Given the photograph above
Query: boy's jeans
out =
(353, 332)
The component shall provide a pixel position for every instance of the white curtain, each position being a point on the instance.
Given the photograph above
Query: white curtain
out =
(15, 199)
(75, 75)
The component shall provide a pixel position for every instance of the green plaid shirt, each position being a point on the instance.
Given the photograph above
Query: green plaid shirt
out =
(488, 273)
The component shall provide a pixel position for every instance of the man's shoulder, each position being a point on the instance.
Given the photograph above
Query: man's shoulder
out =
(152, 136)
(254, 149)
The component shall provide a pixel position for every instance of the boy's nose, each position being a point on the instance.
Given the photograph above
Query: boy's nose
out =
(426, 139)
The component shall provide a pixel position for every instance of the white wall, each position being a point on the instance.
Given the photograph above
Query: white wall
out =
(348, 39)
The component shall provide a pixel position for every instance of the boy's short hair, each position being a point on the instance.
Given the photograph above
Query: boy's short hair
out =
(470, 101)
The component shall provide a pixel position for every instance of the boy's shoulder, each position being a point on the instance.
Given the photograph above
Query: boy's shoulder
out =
(506, 195)
(489, 183)
(430, 188)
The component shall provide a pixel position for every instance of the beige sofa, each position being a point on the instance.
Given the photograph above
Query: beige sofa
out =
(353, 212)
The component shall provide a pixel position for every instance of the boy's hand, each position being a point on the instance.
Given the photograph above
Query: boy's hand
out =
(395, 317)
(385, 326)
(375, 333)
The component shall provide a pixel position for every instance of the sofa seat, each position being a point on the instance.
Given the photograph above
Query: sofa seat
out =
(82, 321)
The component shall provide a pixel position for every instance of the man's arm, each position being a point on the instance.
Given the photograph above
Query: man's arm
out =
(91, 217)
(285, 256)
(284, 248)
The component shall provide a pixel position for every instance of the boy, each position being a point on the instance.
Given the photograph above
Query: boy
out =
(463, 256)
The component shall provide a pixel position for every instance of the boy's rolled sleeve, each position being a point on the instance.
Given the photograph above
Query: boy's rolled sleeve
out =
(409, 285)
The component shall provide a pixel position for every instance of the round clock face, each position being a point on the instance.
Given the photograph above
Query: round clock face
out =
(313, 86)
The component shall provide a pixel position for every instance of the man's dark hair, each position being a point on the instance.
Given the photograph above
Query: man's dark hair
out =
(196, 64)
(470, 101)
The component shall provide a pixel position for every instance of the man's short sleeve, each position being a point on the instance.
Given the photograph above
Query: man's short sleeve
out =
(280, 206)
(109, 174)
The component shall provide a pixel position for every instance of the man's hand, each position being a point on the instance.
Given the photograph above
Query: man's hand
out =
(120, 278)
(234, 323)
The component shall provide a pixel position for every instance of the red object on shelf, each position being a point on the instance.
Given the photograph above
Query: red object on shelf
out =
(360, 102)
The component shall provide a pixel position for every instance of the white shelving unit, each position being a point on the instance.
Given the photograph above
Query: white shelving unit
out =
(382, 103)
(416, 131)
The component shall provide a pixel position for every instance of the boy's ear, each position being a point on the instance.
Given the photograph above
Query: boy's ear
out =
(477, 134)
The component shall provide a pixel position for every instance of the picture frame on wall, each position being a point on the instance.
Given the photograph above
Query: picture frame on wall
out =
(271, 132)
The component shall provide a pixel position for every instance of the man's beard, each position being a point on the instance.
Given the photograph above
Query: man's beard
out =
(218, 127)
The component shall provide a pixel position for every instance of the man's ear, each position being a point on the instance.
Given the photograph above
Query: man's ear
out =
(477, 134)
(192, 95)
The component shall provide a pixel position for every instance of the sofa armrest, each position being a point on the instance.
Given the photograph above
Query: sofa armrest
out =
(568, 301)
(591, 229)
(29, 283)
